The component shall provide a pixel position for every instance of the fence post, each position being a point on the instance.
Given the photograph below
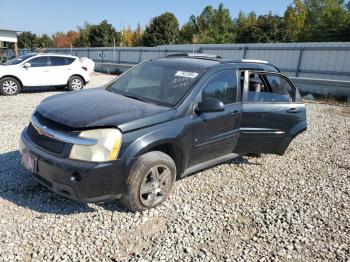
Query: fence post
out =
(245, 52)
(102, 53)
(88, 52)
(299, 61)
(119, 56)
(140, 55)
(200, 50)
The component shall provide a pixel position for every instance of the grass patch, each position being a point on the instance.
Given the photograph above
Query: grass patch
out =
(331, 100)
(345, 110)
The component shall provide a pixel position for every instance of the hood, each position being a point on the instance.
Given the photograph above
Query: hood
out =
(97, 108)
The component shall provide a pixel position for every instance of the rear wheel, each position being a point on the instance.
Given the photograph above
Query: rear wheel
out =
(75, 83)
(150, 181)
(9, 86)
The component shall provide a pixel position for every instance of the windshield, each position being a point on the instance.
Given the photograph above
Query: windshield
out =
(156, 82)
(19, 59)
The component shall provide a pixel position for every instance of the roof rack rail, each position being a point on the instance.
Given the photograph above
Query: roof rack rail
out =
(199, 55)
(254, 61)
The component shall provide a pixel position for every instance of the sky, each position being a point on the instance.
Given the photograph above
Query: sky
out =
(45, 16)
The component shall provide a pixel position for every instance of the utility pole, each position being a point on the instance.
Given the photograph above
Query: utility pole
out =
(113, 49)
(121, 34)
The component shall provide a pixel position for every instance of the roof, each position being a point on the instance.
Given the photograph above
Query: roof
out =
(7, 35)
(10, 30)
(51, 54)
(55, 54)
(189, 63)
(203, 61)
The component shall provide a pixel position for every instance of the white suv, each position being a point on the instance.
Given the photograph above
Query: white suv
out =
(42, 70)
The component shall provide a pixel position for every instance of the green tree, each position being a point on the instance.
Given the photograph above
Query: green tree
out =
(189, 31)
(137, 36)
(103, 35)
(211, 26)
(326, 20)
(264, 29)
(294, 18)
(127, 35)
(83, 39)
(347, 5)
(223, 26)
(247, 30)
(44, 41)
(162, 30)
(27, 40)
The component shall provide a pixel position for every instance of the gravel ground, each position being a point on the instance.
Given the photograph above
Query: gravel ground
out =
(290, 208)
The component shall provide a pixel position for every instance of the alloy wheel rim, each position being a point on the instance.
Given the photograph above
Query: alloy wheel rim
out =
(76, 84)
(155, 186)
(10, 87)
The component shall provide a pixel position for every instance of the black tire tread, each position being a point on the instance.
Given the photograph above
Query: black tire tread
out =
(70, 81)
(12, 79)
(130, 198)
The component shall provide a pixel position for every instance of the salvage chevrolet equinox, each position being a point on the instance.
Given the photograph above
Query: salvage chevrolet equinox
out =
(160, 121)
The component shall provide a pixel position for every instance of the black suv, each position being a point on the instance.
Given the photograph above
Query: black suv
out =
(162, 120)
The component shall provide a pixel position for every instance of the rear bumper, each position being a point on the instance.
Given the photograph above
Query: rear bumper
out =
(78, 180)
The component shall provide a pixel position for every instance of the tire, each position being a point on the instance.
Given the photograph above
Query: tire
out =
(9, 86)
(154, 173)
(75, 83)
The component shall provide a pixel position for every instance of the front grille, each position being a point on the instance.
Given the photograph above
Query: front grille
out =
(45, 142)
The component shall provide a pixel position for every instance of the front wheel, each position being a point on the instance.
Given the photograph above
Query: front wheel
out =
(9, 86)
(75, 83)
(150, 181)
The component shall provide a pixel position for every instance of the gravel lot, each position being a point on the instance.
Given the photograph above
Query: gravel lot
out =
(290, 208)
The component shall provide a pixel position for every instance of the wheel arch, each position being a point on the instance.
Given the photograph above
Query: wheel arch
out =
(172, 150)
(168, 147)
(15, 77)
(79, 76)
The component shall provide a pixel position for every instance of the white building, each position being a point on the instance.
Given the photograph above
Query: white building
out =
(8, 36)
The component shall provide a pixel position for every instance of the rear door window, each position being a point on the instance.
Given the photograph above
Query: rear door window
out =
(60, 61)
(268, 87)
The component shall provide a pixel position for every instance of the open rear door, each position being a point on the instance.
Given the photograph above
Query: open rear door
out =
(272, 113)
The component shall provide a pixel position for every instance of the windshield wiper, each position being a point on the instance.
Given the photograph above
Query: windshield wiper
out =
(137, 98)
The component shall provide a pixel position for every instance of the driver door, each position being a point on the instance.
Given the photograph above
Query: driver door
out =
(216, 133)
(38, 74)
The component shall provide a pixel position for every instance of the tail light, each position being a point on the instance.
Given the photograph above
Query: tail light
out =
(84, 67)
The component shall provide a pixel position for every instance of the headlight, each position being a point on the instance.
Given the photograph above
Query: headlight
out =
(106, 148)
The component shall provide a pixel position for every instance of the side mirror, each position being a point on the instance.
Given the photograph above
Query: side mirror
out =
(210, 105)
(26, 65)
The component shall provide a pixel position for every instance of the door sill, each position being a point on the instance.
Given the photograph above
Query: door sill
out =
(208, 163)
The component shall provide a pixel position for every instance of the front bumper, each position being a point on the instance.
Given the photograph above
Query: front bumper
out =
(78, 180)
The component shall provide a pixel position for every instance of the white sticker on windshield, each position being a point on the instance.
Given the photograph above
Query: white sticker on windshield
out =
(186, 74)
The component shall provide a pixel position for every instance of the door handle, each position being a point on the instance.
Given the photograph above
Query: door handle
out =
(235, 112)
(46, 71)
(293, 110)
